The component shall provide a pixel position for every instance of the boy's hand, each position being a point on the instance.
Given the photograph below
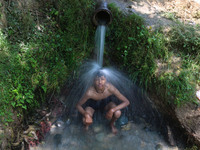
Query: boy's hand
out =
(109, 114)
(87, 120)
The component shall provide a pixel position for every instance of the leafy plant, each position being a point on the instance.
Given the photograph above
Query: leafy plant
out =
(38, 57)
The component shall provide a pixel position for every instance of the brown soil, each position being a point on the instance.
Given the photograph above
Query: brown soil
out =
(161, 12)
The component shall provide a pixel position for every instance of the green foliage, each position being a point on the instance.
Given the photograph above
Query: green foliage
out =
(185, 38)
(134, 46)
(192, 148)
(170, 15)
(177, 88)
(38, 57)
(137, 50)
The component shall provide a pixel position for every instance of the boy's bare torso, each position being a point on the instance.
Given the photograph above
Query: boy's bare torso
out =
(93, 94)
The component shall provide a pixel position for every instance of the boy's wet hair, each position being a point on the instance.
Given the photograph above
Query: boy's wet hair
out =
(100, 73)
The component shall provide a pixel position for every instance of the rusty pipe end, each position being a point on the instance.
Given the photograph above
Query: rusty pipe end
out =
(102, 15)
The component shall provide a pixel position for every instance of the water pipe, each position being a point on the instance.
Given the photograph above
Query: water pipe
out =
(102, 15)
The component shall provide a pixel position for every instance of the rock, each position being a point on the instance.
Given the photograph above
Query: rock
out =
(174, 148)
(68, 122)
(57, 139)
(97, 129)
(110, 135)
(170, 136)
(100, 137)
(159, 147)
(143, 144)
(126, 127)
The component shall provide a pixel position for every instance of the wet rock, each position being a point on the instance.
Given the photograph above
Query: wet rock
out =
(159, 147)
(170, 137)
(143, 144)
(97, 129)
(174, 148)
(73, 129)
(127, 126)
(100, 137)
(110, 135)
(60, 124)
(53, 129)
(137, 133)
(57, 139)
(68, 122)
(123, 120)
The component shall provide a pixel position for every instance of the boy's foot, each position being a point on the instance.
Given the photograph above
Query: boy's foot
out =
(114, 129)
(86, 127)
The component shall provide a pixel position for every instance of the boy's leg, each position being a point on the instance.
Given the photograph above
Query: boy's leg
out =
(115, 116)
(87, 120)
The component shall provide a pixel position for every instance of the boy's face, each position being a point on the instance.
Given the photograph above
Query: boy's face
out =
(100, 82)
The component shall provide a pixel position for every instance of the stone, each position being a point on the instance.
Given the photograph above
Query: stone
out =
(159, 147)
(143, 144)
(100, 137)
(126, 127)
(97, 129)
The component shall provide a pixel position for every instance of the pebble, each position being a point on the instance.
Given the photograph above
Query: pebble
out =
(126, 127)
(159, 147)
(100, 137)
(97, 129)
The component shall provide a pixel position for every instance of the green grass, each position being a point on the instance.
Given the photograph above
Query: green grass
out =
(137, 50)
(38, 57)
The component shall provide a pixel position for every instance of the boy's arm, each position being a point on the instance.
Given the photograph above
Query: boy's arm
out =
(81, 102)
(87, 120)
(125, 101)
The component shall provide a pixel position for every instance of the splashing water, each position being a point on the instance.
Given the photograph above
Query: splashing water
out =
(99, 43)
(140, 105)
(139, 134)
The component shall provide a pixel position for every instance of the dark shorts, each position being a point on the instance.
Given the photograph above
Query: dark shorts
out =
(98, 105)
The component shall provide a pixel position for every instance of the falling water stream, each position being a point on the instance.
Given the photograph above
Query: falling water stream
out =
(140, 128)
(99, 43)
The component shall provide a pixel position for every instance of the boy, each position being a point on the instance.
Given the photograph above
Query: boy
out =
(96, 98)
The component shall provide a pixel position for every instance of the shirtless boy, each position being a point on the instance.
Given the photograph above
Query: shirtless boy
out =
(96, 96)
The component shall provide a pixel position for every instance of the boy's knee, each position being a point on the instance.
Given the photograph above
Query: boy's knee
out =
(117, 114)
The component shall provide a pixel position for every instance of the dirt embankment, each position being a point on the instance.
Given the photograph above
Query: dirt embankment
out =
(162, 12)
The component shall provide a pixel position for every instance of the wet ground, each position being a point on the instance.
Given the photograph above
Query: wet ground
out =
(99, 137)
